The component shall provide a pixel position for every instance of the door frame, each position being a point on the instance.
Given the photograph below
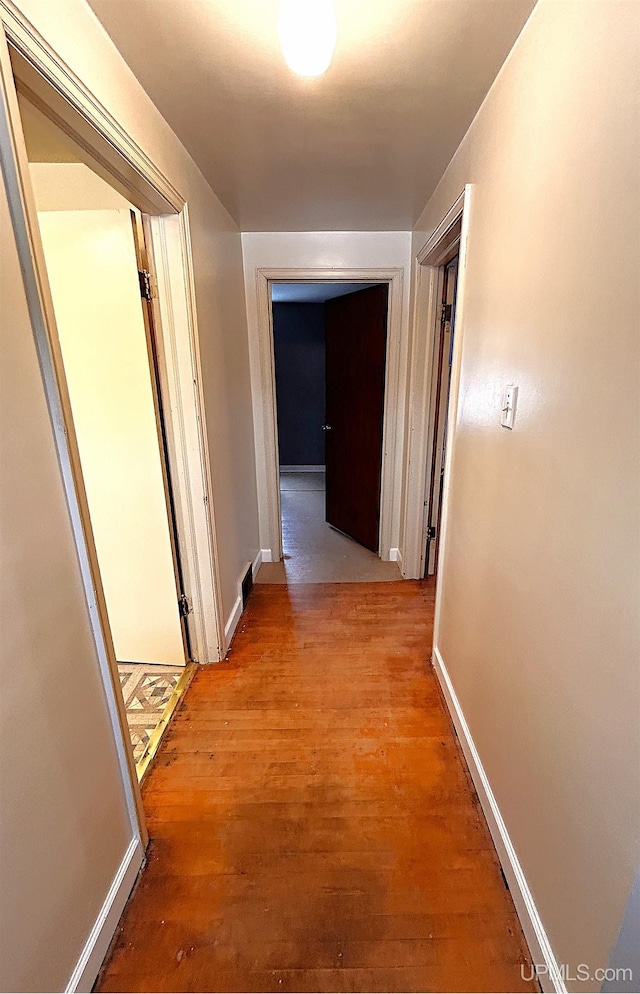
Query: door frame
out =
(441, 379)
(451, 234)
(265, 410)
(152, 327)
(120, 161)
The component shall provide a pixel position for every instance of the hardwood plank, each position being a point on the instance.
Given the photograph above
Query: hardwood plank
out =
(313, 824)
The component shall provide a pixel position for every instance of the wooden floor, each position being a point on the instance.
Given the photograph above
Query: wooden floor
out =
(313, 826)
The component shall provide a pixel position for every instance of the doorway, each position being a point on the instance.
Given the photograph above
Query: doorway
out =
(264, 387)
(97, 273)
(330, 346)
(441, 389)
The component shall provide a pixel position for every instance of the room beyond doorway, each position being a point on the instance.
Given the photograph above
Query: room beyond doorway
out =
(264, 395)
(313, 551)
(95, 252)
(330, 342)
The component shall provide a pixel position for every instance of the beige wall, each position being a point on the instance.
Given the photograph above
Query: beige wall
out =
(64, 822)
(70, 186)
(73, 31)
(65, 826)
(539, 624)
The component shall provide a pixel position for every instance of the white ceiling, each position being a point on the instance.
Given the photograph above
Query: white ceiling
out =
(312, 293)
(360, 148)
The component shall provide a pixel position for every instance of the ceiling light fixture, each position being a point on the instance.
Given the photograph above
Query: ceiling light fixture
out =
(308, 35)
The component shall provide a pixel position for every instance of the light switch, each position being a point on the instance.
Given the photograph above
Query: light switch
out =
(509, 400)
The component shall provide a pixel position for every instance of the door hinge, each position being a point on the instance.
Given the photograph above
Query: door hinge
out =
(146, 290)
(431, 532)
(445, 314)
(183, 606)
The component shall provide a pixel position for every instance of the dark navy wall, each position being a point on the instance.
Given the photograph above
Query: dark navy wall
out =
(298, 332)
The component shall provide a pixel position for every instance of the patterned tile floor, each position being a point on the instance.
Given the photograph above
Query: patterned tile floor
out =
(146, 691)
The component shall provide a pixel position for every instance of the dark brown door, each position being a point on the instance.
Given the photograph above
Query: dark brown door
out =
(356, 330)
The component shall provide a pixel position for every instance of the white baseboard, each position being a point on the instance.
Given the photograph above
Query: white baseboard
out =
(302, 469)
(395, 556)
(95, 948)
(232, 622)
(266, 555)
(534, 931)
(238, 607)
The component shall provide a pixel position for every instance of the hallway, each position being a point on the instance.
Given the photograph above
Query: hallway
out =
(313, 826)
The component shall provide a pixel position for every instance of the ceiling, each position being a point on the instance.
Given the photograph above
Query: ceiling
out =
(312, 293)
(360, 148)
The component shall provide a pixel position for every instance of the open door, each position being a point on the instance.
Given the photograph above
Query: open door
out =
(146, 294)
(93, 275)
(442, 373)
(356, 337)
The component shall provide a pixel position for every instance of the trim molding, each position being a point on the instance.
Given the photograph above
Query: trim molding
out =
(232, 623)
(267, 557)
(302, 469)
(256, 564)
(428, 254)
(264, 396)
(177, 350)
(425, 321)
(100, 936)
(42, 57)
(534, 931)
(395, 556)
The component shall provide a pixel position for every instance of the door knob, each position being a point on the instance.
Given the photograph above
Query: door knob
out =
(326, 427)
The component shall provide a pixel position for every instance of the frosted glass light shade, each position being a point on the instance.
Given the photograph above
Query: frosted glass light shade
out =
(308, 34)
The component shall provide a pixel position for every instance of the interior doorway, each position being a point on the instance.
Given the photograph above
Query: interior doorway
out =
(434, 366)
(330, 346)
(441, 388)
(95, 255)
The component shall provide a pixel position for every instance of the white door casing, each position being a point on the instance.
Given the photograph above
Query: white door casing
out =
(267, 460)
(426, 299)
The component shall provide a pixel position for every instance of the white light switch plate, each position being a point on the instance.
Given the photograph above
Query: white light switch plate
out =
(509, 400)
